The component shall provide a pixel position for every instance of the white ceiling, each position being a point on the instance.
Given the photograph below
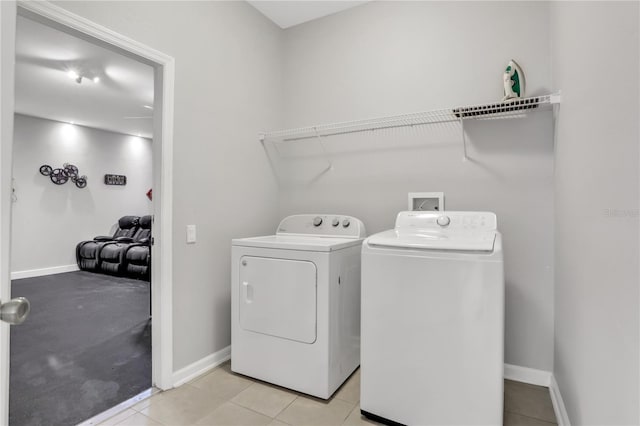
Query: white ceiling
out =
(44, 59)
(289, 13)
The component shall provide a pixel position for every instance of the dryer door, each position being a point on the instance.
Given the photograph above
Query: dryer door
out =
(278, 297)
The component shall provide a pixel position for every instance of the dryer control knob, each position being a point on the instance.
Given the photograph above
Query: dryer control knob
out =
(346, 223)
(317, 221)
(335, 221)
(443, 220)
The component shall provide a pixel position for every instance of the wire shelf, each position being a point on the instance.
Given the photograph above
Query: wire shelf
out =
(499, 110)
(345, 127)
(494, 110)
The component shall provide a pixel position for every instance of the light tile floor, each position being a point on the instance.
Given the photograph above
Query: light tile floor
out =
(221, 397)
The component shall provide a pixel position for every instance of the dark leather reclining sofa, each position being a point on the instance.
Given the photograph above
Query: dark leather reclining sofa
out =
(125, 253)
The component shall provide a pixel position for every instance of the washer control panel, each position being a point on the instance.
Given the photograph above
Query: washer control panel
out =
(447, 220)
(325, 225)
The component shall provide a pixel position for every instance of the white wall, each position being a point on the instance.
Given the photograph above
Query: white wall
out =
(596, 64)
(48, 219)
(228, 88)
(386, 58)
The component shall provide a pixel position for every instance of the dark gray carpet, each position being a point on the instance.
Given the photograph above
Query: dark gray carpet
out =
(85, 347)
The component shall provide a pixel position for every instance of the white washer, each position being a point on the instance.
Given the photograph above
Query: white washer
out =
(433, 321)
(295, 303)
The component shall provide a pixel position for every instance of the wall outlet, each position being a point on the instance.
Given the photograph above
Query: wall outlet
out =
(191, 234)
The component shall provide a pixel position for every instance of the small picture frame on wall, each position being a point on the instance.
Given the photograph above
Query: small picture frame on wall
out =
(118, 180)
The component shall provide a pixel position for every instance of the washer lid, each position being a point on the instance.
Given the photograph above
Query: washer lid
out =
(449, 230)
(435, 240)
(303, 243)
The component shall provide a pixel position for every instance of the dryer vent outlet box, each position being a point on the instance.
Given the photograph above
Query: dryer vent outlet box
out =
(426, 201)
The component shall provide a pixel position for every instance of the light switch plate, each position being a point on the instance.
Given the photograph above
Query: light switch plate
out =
(191, 234)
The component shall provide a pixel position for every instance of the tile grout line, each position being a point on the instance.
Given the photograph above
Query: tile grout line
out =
(250, 409)
(142, 414)
(253, 382)
(271, 386)
(355, 404)
(350, 411)
(121, 407)
(116, 415)
(355, 408)
(345, 400)
(139, 410)
(283, 410)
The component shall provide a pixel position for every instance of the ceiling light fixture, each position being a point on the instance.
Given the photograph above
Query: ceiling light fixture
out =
(78, 78)
(75, 76)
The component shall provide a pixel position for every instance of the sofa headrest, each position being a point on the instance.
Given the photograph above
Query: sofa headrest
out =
(145, 222)
(128, 222)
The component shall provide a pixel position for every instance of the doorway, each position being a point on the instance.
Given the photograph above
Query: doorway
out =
(162, 65)
(82, 161)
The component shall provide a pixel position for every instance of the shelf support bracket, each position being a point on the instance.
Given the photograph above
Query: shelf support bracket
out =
(263, 139)
(324, 151)
(555, 98)
(464, 140)
(274, 169)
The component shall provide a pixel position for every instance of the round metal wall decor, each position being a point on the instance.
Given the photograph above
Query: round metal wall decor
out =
(45, 170)
(58, 177)
(62, 175)
(70, 170)
(81, 181)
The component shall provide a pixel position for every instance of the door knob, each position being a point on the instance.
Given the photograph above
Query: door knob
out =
(15, 311)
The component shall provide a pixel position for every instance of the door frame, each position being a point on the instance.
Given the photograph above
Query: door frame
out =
(7, 59)
(162, 148)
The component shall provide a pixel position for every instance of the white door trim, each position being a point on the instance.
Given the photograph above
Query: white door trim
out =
(161, 266)
(7, 59)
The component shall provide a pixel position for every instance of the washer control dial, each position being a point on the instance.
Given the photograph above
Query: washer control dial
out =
(335, 222)
(346, 223)
(317, 221)
(443, 220)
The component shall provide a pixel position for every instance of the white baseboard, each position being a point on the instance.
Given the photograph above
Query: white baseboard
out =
(44, 271)
(558, 404)
(192, 371)
(527, 375)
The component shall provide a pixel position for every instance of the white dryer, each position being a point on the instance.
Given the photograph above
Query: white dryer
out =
(295, 296)
(433, 321)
